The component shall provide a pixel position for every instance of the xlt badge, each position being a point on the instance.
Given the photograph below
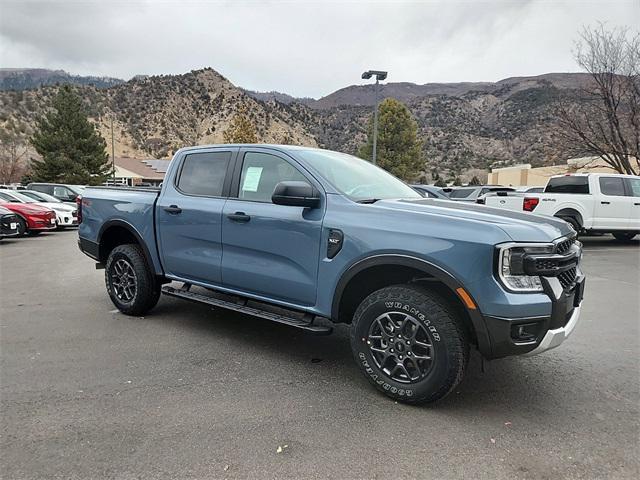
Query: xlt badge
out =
(334, 244)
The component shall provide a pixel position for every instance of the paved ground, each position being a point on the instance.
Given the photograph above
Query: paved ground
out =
(189, 392)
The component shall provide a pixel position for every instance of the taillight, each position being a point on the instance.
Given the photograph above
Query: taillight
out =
(79, 204)
(530, 204)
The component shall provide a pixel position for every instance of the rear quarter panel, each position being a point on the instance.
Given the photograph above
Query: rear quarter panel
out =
(102, 207)
(552, 203)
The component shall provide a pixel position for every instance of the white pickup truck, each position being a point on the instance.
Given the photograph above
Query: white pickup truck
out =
(590, 202)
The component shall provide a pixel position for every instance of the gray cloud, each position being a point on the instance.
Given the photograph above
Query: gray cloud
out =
(303, 48)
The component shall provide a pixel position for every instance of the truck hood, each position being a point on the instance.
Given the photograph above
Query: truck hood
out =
(521, 227)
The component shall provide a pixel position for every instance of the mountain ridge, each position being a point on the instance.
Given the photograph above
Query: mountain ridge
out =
(464, 125)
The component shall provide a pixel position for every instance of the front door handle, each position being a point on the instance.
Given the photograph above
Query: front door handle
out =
(605, 203)
(239, 217)
(173, 209)
(637, 203)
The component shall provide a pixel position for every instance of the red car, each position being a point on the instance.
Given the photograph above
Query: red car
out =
(32, 218)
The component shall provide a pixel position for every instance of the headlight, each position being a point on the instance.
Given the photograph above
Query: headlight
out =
(511, 266)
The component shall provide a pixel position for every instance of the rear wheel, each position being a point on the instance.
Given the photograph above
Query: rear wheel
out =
(409, 343)
(575, 224)
(131, 284)
(624, 236)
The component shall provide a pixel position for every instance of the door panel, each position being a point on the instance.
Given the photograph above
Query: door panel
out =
(633, 190)
(613, 207)
(189, 216)
(270, 250)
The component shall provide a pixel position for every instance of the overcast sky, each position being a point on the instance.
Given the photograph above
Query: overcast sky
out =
(304, 48)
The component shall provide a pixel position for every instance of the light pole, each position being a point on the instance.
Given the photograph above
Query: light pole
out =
(113, 154)
(379, 76)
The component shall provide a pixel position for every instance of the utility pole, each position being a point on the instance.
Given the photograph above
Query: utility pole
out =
(379, 76)
(113, 153)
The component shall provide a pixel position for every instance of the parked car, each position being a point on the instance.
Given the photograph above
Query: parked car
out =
(33, 218)
(590, 202)
(8, 223)
(476, 193)
(530, 189)
(66, 214)
(63, 192)
(430, 191)
(325, 234)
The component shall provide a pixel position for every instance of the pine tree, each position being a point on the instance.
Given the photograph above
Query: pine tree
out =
(241, 130)
(72, 150)
(475, 181)
(398, 151)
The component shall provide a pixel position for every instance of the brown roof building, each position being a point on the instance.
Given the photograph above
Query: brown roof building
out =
(133, 171)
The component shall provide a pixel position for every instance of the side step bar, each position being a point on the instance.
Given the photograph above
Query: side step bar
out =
(186, 294)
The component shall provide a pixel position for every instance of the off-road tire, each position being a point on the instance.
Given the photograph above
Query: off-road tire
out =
(147, 286)
(624, 236)
(449, 340)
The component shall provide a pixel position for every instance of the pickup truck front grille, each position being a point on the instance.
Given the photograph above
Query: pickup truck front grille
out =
(568, 278)
(565, 245)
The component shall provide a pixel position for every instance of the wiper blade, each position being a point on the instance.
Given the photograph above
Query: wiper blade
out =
(368, 200)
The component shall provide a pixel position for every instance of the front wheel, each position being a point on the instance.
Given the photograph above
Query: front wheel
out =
(131, 284)
(22, 227)
(410, 344)
(624, 236)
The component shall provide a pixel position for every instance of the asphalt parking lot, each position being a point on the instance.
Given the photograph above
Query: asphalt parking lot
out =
(189, 392)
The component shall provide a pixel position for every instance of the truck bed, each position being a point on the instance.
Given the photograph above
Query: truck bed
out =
(103, 207)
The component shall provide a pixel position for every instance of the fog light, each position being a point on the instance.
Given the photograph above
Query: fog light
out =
(525, 332)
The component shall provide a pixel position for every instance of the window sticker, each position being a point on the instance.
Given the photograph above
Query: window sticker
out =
(252, 179)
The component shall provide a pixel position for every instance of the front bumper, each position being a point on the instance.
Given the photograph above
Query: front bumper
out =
(555, 337)
(66, 220)
(541, 333)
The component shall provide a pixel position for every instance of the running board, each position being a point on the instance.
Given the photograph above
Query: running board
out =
(243, 308)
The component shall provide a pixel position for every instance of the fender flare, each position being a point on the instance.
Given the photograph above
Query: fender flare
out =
(449, 280)
(131, 229)
(570, 212)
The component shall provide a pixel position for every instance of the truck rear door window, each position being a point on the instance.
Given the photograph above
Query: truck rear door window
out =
(612, 186)
(568, 184)
(204, 173)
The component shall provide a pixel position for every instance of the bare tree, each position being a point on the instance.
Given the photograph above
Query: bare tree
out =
(605, 121)
(13, 155)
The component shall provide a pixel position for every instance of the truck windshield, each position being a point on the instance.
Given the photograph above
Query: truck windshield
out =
(568, 184)
(356, 178)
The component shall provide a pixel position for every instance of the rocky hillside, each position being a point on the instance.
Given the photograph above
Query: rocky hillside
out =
(154, 116)
(463, 125)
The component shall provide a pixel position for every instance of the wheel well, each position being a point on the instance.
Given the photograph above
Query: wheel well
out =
(113, 237)
(376, 277)
(570, 212)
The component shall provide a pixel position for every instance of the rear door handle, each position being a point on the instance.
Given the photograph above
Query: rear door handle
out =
(637, 203)
(239, 217)
(173, 209)
(605, 203)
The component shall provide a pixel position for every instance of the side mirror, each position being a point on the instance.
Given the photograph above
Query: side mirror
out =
(296, 194)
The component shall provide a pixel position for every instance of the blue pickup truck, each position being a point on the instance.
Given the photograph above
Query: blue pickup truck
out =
(309, 237)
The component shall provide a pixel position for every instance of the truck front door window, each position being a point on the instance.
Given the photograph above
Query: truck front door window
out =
(261, 173)
(634, 183)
